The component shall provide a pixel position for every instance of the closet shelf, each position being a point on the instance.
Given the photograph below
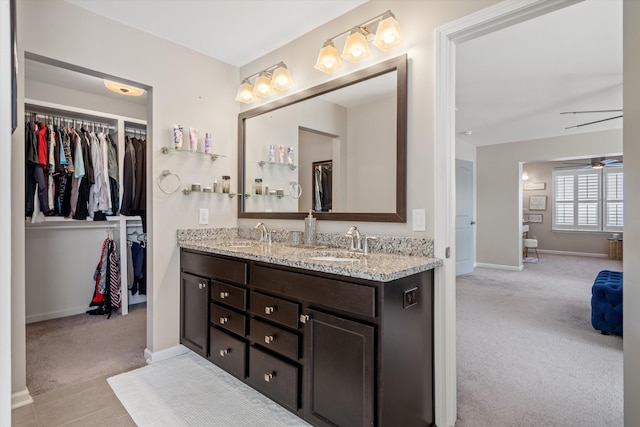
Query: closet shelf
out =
(279, 196)
(290, 166)
(188, 191)
(214, 157)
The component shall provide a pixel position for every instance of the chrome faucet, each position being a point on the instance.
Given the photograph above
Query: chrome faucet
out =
(359, 243)
(265, 234)
(356, 241)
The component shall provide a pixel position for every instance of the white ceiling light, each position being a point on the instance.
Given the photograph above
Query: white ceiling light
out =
(122, 88)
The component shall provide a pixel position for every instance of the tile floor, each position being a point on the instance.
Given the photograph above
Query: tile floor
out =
(91, 403)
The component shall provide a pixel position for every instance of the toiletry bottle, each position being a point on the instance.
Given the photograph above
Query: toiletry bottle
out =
(310, 229)
(258, 186)
(215, 185)
(226, 183)
(207, 143)
(272, 154)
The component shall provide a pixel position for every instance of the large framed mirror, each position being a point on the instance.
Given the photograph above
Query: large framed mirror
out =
(357, 123)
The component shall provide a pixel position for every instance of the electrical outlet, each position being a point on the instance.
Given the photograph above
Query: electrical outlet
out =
(410, 298)
(419, 220)
(203, 218)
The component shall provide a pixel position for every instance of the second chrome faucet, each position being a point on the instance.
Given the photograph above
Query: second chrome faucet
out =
(359, 243)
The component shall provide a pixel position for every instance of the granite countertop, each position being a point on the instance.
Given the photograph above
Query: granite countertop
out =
(383, 267)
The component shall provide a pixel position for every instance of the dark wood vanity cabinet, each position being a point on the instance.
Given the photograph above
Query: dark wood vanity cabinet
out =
(335, 350)
(194, 302)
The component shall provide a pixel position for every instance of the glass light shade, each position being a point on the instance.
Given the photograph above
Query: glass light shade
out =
(388, 34)
(245, 93)
(356, 47)
(262, 87)
(281, 78)
(328, 58)
(123, 89)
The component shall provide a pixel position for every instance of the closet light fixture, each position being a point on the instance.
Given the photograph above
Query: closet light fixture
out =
(123, 89)
(356, 47)
(276, 78)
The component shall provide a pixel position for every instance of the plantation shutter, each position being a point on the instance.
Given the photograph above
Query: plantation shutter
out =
(614, 199)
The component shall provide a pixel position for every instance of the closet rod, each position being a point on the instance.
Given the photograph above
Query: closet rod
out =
(70, 227)
(58, 119)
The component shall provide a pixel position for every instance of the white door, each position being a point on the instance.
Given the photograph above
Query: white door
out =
(464, 217)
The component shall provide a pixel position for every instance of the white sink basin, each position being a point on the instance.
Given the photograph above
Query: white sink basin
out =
(332, 258)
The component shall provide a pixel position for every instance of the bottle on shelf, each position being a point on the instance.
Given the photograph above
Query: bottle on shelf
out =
(258, 185)
(226, 183)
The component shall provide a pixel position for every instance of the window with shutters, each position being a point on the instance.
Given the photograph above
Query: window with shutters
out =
(588, 200)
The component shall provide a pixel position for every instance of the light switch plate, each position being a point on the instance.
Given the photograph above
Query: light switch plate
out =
(203, 218)
(419, 220)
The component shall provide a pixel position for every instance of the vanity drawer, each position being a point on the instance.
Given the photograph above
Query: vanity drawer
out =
(275, 338)
(275, 309)
(274, 377)
(214, 267)
(229, 295)
(228, 352)
(228, 319)
(345, 296)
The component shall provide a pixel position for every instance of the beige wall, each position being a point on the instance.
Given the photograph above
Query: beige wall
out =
(632, 207)
(499, 190)
(564, 241)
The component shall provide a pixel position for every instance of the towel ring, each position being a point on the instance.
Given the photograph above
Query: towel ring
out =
(165, 173)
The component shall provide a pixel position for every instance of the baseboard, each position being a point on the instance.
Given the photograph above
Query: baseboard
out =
(137, 299)
(587, 254)
(55, 314)
(21, 398)
(167, 353)
(498, 266)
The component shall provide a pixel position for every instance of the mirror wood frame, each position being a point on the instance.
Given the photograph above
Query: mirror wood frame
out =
(398, 64)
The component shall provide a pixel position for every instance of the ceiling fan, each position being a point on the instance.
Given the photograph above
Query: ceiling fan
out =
(596, 121)
(595, 163)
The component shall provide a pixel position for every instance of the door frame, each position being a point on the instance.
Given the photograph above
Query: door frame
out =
(493, 18)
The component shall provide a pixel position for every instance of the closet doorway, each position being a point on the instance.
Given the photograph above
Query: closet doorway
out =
(73, 258)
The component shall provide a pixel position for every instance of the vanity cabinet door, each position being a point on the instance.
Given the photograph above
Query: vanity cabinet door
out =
(339, 371)
(194, 312)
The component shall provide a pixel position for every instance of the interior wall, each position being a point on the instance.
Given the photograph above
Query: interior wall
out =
(499, 188)
(187, 88)
(418, 21)
(5, 214)
(631, 263)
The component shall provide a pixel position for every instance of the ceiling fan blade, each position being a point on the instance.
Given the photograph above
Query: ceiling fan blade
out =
(597, 121)
(592, 111)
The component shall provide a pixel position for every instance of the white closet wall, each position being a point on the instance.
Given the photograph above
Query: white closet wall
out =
(62, 254)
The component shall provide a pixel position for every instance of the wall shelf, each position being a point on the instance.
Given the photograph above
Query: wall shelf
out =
(213, 156)
(188, 191)
(290, 166)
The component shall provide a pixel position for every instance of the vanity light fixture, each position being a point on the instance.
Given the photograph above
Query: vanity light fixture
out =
(122, 88)
(525, 176)
(356, 47)
(276, 78)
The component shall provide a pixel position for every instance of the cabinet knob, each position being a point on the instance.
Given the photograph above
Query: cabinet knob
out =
(224, 320)
(269, 339)
(269, 310)
(202, 285)
(269, 377)
(224, 352)
(304, 318)
(224, 295)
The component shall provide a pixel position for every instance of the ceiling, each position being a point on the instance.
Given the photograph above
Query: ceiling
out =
(511, 84)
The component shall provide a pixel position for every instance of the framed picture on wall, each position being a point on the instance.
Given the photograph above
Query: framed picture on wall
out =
(535, 185)
(538, 203)
(532, 217)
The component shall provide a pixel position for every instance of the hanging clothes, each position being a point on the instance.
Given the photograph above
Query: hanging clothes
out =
(106, 294)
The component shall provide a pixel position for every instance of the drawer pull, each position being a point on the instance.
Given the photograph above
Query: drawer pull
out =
(224, 295)
(269, 338)
(224, 320)
(304, 318)
(224, 352)
(269, 310)
(269, 377)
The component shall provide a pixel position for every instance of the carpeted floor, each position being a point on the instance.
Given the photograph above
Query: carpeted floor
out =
(527, 354)
(75, 349)
(188, 390)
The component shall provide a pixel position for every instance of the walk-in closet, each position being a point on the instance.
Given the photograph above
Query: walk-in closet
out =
(85, 227)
